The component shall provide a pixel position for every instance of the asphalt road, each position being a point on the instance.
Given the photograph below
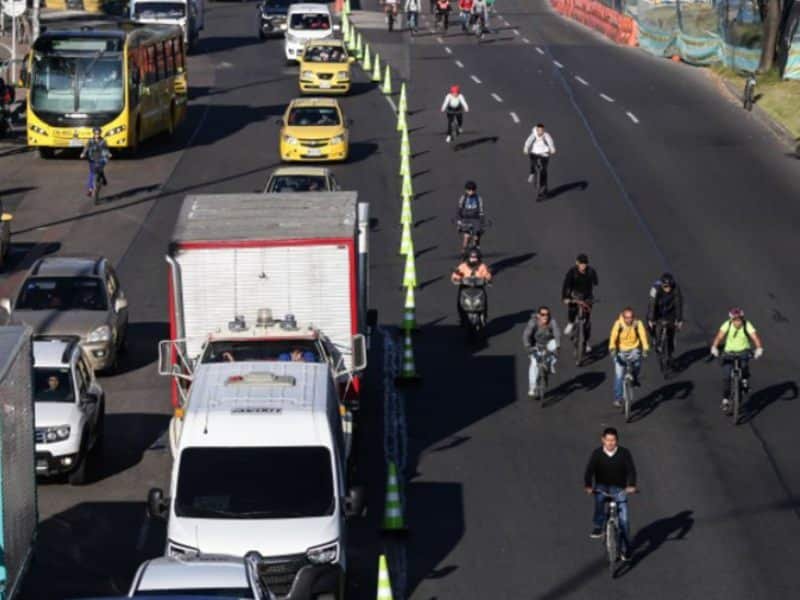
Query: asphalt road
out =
(494, 498)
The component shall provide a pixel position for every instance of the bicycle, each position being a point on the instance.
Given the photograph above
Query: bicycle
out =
(738, 390)
(748, 98)
(472, 230)
(98, 180)
(543, 358)
(579, 337)
(454, 120)
(613, 530)
(664, 331)
(627, 386)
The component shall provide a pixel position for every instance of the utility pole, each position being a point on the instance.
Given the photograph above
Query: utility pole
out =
(35, 20)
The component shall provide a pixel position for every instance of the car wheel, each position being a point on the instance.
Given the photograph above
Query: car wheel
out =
(79, 475)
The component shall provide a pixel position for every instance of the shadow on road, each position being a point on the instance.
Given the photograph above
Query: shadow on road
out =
(650, 538)
(476, 142)
(511, 262)
(673, 391)
(761, 399)
(142, 340)
(211, 44)
(688, 358)
(567, 187)
(584, 381)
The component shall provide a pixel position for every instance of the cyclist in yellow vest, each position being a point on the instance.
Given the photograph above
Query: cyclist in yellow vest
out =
(739, 337)
(627, 342)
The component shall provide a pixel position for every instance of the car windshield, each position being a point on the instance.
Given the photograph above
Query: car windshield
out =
(297, 183)
(240, 351)
(314, 116)
(229, 594)
(255, 483)
(310, 21)
(284, 4)
(170, 10)
(52, 385)
(325, 54)
(62, 293)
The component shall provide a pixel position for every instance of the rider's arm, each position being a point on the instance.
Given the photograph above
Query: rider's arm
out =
(566, 288)
(630, 467)
(446, 102)
(678, 305)
(463, 101)
(556, 331)
(480, 206)
(751, 331)
(612, 337)
(588, 473)
(651, 305)
(550, 143)
(457, 275)
(723, 331)
(485, 272)
(526, 149)
(595, 281)
(643, 339)
(529, 328)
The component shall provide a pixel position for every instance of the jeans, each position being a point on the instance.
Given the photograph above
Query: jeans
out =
(727, 367)
(412, 18)
(634, 355)
(93, 166)
(465, 17)
(543, 175)
(454, 117)
(533, 370)
(598, 521)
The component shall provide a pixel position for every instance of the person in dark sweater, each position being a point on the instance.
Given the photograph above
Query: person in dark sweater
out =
(578, 286)
(611, 469)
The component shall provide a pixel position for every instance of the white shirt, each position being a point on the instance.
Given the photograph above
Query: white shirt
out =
(412, 5)
(539, 145)
(610, 454)
(455, 102)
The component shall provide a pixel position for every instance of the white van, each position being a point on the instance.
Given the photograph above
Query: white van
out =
(306, 22)
(261, 465)
(188, 14)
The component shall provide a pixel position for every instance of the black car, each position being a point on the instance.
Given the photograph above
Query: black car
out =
(272, 17)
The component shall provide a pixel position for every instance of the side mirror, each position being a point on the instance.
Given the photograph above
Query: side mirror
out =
(354, 501)
(90, 399)
(165, 357)
(5, 304)
(359, 350)
(120, 304)
(156, 504)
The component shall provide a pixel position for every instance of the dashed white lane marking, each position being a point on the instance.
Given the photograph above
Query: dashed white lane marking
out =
(516, 32)
(526, 40)
(606, 98)
(496, 97)
(539, 50)
(514, 117)
(459, 64)
(475, 79)
(440, 40)
(581, 80)
(558, 64)
(391, 103)
(632, 117)
(448, 50)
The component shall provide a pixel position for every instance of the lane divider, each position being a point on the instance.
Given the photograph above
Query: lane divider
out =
(632, 117)
(475, 79)
(496, 97)
(606, 98)
(514, 117)
(459, 64)
(581, 80)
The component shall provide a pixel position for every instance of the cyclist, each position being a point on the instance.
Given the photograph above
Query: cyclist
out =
(412, 15)
(470, 213)
(454, 105)
(472, 266)
(737, 338)
(443, 12)
(539, 147)
(96, 150)
(578, 287)
(611, 470)
(391, 7)
(541, 332)
(665, 308)
(465, 10)
(627, 342)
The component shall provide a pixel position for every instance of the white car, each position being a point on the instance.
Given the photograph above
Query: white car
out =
(70, 407)
(306, 22)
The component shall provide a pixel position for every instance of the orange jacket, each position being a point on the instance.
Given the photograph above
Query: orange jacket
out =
(464, 270)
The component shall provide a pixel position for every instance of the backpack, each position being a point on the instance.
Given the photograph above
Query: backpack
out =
(635, 325)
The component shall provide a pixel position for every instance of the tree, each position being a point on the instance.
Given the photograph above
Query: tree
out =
(772, 23)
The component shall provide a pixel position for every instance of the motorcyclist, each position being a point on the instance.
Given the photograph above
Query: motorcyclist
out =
(96, 150)
(472, 266)
(454, 106)
(542, 332)
(665, 308)
(470, 214)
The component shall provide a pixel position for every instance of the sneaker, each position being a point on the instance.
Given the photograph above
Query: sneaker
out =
(568, 329)
(530, 178)
(89, 193)
(726, 405)
(745, 385)
(624, 557)
(447, 139)
(543, 193)
(596, 534)
(617, 403)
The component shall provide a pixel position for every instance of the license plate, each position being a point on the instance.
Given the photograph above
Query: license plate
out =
(314, 152)
(41, 465)
(324, 85)
(75, 143)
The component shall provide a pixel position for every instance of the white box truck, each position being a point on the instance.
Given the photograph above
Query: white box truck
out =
(189, 15)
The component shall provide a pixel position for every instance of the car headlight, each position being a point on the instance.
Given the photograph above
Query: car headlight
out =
(308, 75)
(101, 334)
(341, 75)
(320, 555)
(58, 433)
(337, 139)
(290, 39)
(176, 549)
(289, 139)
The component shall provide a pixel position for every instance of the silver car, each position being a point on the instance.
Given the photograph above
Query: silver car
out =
(77, 296)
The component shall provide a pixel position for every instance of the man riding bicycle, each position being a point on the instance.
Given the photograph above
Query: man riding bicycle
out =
(578, 288)
(470, 214)
(96, 150)
(539, 146)
(665, 309)
(454, 106)
(739, 336)
(627, 342)
(541, 332)
(611, 470)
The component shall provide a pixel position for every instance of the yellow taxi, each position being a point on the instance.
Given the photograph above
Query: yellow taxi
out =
(313, 130)
(325, 67)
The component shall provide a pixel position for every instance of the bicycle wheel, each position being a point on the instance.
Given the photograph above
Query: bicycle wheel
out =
(612, 537)
(736, 399)
(748, 96)
(96, 189)
(541, 385)
(580, 342)
(627, 393)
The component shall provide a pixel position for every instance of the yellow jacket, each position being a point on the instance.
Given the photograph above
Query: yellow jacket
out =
(628, 337)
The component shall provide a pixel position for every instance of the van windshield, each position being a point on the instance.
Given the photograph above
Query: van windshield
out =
(255, 483)
(310, 21)
(246, 351)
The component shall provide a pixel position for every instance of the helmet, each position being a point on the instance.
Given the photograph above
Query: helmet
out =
(583, 259)
(667, 280)
(471, 186)
(736, 313)
(96, 131)
(454, 89)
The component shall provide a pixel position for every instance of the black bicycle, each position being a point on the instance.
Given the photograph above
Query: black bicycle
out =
(579, 335)
(738, 389)
(612, 531)
(543, 358)
(98, 180)
(454, 120)
(665, 344)
(749, 96)
(628, 381)
(471, 231)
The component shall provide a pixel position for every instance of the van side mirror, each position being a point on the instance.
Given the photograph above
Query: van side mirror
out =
(120, 304)
(156, 504)
(165, 357)
(359, 351)
(5, 304)
(354, 501)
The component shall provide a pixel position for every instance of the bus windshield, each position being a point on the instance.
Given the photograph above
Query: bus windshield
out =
(77, 84)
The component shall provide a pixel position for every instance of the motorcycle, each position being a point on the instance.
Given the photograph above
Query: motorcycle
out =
(472, 300)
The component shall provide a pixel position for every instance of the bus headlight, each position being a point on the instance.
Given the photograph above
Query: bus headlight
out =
(37, 129)
(115, 131)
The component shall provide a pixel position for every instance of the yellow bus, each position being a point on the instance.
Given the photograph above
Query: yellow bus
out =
(129, 80)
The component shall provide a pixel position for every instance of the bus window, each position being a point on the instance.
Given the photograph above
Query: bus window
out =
(150, 72)
(160, 60)
(178, 45)
(170, 59)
